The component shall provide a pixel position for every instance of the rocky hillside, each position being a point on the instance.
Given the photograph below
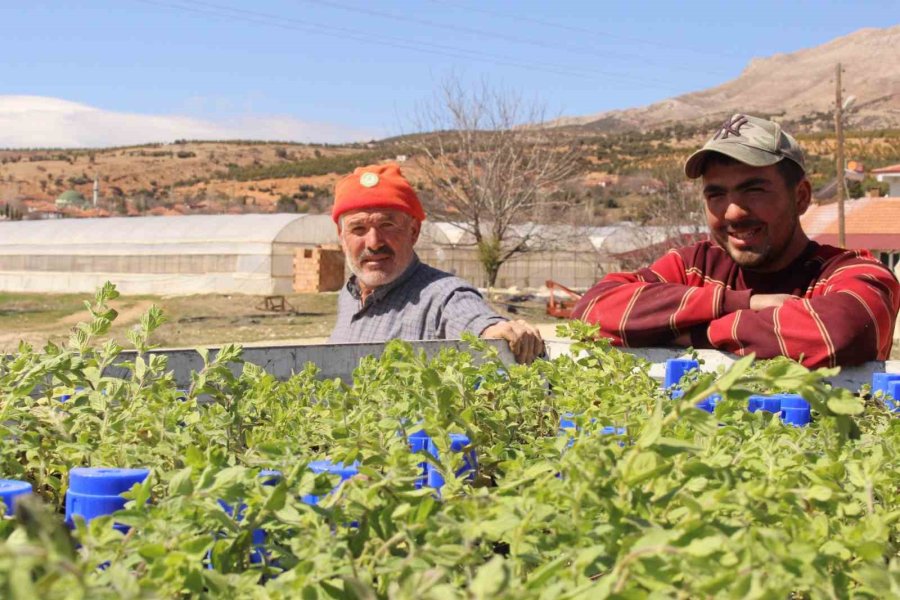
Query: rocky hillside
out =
(798, 87)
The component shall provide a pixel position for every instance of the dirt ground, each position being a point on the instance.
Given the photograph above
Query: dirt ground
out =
(195, 320)
(190, 320)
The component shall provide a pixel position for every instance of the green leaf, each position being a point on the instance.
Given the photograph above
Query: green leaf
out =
(704, 546)
(652, 428)
(846, 405)
(538, 578)
(643, 466)
(181, 484)
(277, 498)
(152, 551)
(820, 493)
(671, 446)
(491, 579)
(735, 372)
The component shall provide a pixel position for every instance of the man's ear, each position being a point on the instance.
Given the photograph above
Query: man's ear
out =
(416, 229)
(803, 192)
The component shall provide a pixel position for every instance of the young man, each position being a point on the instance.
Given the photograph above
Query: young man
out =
(759, 285)
(391, 294)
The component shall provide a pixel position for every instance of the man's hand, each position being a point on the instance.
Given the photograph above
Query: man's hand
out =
(761, 301)
(524, 339)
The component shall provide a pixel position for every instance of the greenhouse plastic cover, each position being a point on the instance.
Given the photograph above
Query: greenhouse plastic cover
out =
(249, 254)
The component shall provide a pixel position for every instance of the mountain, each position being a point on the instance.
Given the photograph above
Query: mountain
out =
(797, 87)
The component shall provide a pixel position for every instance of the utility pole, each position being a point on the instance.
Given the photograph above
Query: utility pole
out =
(839, 158)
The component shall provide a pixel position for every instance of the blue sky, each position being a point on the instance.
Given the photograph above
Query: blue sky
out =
(327, 70)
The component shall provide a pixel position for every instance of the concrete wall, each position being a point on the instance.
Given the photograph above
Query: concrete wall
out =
(850, 377)
(333, 360)
(339, 360)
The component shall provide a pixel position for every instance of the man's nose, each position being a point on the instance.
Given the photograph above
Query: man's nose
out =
(735, 210)
(374, 239)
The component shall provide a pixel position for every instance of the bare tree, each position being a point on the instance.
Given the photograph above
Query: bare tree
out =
(494, 169)
(671, 216)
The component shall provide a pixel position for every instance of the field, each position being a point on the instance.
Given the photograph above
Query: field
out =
(190, 320)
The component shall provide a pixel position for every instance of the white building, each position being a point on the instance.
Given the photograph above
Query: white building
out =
(244, 254)
(891, 175)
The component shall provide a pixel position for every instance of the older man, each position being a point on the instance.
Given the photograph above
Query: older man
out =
(760, 285)
(391, 293)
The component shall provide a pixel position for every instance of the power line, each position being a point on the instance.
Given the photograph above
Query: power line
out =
(576, 48)
(313, 28)
(593, 32)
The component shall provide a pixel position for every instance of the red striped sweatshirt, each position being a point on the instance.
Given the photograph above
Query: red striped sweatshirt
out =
(844, 312)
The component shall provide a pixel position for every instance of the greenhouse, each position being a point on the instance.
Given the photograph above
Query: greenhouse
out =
(245, 254)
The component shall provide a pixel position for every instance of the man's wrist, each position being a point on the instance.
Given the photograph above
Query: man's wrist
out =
(735, 300)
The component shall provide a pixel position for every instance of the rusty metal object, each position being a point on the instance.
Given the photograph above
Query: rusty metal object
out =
(561, 308)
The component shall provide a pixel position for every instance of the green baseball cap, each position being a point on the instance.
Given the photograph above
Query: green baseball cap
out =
(750, 140)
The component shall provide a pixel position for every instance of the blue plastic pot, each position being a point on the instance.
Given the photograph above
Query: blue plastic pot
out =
(886, 384)
(566, 423)
(345, 472)
(258, 537)
(770, 404)
(104, 481)
(95, 492)
(418, 442)
(421, 441)
(709, 404)
(892, 398)
(610, 430)
(67, 397)
(458, 441)
(91, 507)
(795, 410)
(882, 382)
(270, 476)
(676, 368)
(10, 489)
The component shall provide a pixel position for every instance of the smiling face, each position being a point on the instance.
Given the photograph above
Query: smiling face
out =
(378, 244)
(754, 215)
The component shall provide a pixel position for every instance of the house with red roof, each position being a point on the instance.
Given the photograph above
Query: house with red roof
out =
(871, 223)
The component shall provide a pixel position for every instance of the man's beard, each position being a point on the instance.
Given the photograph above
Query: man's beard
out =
(767, 253)
(356, 266)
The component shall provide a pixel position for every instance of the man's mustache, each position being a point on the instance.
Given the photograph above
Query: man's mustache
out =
(382, 251)
(748, 224)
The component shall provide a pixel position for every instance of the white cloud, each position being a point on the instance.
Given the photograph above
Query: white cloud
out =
(41, 122)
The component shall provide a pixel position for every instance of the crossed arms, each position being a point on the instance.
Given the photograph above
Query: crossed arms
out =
(845, 315)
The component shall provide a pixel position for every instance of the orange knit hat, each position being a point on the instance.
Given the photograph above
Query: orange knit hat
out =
(376, 186)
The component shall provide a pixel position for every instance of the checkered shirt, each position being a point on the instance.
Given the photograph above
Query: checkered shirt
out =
(424, 303)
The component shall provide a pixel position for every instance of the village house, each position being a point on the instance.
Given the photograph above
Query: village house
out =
(871, 223)
(891, 176)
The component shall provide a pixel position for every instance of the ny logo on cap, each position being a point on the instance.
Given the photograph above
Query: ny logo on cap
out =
(731, 126)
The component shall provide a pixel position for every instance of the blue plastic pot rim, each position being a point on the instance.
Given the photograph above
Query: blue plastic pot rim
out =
(105, 481)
